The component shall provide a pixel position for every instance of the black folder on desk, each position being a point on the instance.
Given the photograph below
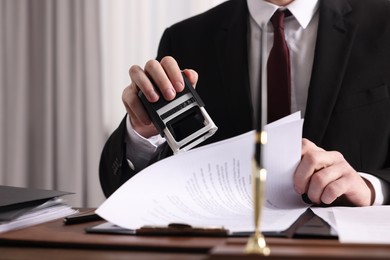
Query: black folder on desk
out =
(15, 201)
(308, 225)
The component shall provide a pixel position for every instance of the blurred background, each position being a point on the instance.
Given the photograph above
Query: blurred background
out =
(63, 67)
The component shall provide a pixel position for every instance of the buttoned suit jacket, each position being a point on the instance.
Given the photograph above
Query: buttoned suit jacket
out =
(348, 106)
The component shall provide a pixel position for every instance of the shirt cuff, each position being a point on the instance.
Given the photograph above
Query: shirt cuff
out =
(140, 150)
(380, 187)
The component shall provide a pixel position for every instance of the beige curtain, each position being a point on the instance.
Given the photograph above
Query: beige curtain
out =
(51, 131)
(58, 103)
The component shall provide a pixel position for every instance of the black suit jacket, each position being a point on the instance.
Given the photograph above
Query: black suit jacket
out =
(348, 107)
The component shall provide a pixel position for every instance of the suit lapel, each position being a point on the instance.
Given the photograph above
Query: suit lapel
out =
(334, 42)
(231, 49)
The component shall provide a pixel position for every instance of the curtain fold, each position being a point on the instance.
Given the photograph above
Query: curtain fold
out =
(51, 113)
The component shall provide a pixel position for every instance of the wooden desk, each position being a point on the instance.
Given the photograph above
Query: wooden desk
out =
(53, 240)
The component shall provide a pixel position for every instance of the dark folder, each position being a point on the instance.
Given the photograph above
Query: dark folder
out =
(15, 201)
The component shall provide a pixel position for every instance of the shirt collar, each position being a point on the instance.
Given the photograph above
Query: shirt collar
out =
(303, 10)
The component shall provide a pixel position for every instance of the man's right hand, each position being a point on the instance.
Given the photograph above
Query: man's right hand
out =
(167, 77)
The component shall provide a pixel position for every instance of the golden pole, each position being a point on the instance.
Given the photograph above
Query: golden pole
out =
(256, 243)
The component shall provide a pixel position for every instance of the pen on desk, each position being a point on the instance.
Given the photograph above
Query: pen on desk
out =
(82, 217)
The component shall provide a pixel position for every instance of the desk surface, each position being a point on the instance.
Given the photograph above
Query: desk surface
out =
(53, 240)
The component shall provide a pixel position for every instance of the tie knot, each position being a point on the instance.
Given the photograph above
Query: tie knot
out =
(277, 18)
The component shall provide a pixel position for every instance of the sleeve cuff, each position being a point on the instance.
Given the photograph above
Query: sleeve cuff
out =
(380, 187)
(140, 150)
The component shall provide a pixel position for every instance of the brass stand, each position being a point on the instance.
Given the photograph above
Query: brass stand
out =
(256, 243)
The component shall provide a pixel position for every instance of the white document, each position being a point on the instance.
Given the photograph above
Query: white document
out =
(211, 185)
(368, 225)
(358, 225)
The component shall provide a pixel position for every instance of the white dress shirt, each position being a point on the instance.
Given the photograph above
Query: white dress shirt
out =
(300, 34)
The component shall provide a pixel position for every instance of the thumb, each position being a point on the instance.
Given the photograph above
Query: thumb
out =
(192, 76)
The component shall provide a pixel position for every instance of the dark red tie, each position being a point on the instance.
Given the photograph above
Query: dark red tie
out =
(278, 72)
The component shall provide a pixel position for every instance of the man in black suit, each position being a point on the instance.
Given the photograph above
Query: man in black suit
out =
(340, 58)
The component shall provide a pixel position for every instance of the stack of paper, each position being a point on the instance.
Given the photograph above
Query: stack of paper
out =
(358, 225)
(211, 186)
(23, 207)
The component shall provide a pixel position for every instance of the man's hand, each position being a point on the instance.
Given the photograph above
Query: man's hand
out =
(327, 178)
(167, 77)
